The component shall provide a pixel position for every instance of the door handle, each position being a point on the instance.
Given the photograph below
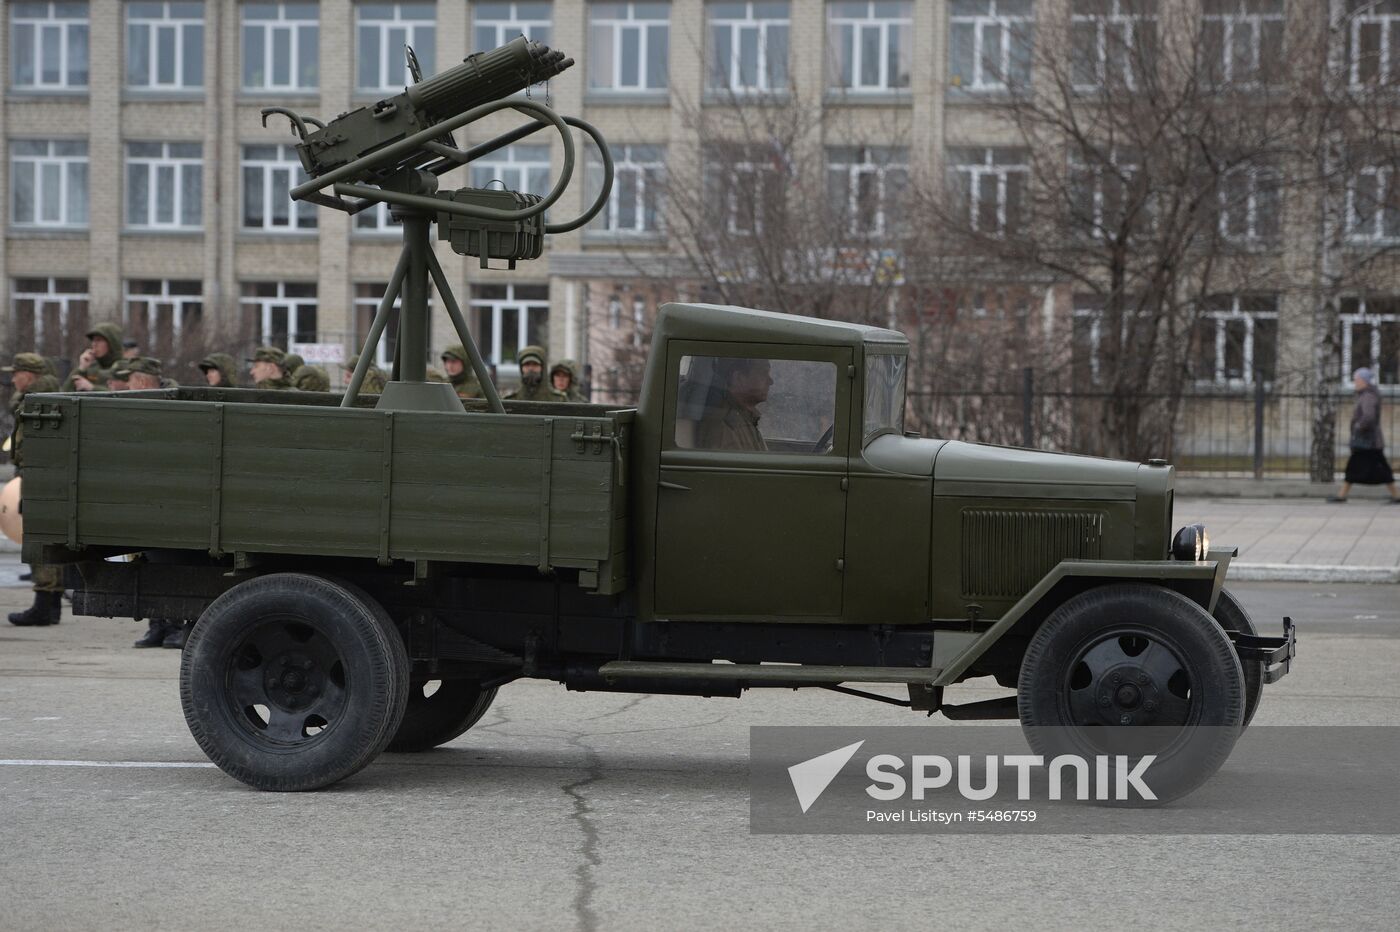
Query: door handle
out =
(673, 485)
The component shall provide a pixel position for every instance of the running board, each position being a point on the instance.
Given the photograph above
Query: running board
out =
(767, 673)
(983, 711)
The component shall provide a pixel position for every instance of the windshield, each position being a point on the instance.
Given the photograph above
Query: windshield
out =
(884, 396)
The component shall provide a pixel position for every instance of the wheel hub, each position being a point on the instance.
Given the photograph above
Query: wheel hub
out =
(293, 681)
(1128, 695)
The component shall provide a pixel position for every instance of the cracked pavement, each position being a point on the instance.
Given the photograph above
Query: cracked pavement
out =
(606, 811)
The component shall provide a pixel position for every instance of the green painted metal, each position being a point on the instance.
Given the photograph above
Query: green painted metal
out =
(804, 674)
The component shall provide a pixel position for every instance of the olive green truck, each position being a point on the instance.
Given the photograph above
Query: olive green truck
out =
(367, 578)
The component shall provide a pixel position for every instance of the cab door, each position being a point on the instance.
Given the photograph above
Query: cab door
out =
(743, 531)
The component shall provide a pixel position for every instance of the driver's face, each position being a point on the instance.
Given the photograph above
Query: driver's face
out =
(750, 386)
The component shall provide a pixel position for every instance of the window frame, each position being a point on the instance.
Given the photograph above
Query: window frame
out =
(751, 22)
(1014, 27)
(1263, 182)
(497, 307)
(66, 165)
(181, 306)
(1222, 317)
(1362, 316)
(990, 166)
(1387, 17)
(65, 26)
(64, 300)
(617, 27)
(1223, 68)
(179, 166)
(366, 302)
(894, 160)
(511, 165)
(1129, 23)
(625, 164)
(301, 215)
(887, 26)
(425, 50)
(539, 30)
(268, 28)
(152, 26)
(1385, 182)
(295, 305)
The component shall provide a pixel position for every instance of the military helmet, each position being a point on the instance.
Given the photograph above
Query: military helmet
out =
(530, 352)
(268, 354)
(27, 362)
(458, 352)
(120, 370)
(145, 365)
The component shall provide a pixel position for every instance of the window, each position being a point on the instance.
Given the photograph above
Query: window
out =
(164, 311)
(165, 46)
(1235, 337)
(1373, 205)
(884, 395)
(757, 405)
(269, 174)
(49, 183)
(376, 220)
(637, 200)
(367, 298)
(1104, 188)
(1249, 204)
(867, 186)
(49, 46)
(1242, 42)
(990, 44)
(381, 32)
(518, 167)
(495, 24)
(991, 185)
(1371, 337)
(870, 45)
(507, 317)
(280, 46)
(748, 51)
(744, 188)
(628, 46)
(1373, 41)
(282, 312)
(1113, 43)
(50, 314)
(1137, 327)
(164, 185)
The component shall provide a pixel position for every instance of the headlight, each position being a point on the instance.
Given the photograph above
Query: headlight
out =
(1191, 543)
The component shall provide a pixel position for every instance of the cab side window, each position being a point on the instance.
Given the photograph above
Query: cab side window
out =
(755, 405)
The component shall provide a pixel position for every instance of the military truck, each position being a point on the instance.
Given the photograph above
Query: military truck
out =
(367, 578)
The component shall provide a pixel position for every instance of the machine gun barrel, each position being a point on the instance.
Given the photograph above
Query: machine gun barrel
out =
(486, 76)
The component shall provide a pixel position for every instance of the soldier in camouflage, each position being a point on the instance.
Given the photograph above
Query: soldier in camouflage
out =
(220, 371)
(104, 348)
(118, 375)
(457, 364)
(311, 379)
(144, 373)
(266, 369)
(374, 376)
(30, 374)
(563, 378)
(533, 387)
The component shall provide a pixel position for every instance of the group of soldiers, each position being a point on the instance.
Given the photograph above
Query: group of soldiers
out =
(111, 363)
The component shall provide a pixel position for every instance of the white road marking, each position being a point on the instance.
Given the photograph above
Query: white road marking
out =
(101, 763)
(48, 718)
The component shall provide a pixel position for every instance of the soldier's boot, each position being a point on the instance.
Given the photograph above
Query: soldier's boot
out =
(178, 635)
(46, 610)
(155, 635)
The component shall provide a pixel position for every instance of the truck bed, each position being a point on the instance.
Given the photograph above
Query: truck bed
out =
(241, 471)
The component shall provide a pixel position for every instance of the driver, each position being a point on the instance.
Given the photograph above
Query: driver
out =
(731, 423)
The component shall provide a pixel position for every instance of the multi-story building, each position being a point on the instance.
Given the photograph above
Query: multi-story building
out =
(143, 186)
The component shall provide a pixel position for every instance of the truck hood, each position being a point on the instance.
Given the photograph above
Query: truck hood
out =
(1013, 472)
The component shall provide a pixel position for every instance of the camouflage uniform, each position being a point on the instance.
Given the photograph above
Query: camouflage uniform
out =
(574, 394)
(728, 425)
(97, 372)
(374, 376)
(48, 579)
(226, 367)
(292, 362)
(311, 379)
(465, 383)
(539, 390)
(274, 355)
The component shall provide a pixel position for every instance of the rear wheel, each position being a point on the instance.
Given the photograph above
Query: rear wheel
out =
(293, 682)
(1232, 617)
(1139, 656)
(439, 711)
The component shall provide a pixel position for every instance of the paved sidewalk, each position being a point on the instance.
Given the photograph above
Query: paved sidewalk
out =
(1300, 539)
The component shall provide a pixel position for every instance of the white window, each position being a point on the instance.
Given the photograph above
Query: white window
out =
(629, 46)
(1136, 328)
(870, 45)
(48, 183)
(495, 24)
(507, 317)
(282, 312)
(164, 310)
(748, 50)
(991, 185)
(49, 46)
(1103, 191)
(381, 32)
(867, 185)
(1113, 43)
(164, 185)
(165, 46)
(990, 44)
(1243, 41)
(637, 201)
(639, 322)
(1373, 41)
(281, 46)
(1373, 205)
(50, 314)
(367, 298)
(1235, 337)
(1249, 204)
(1371, 337)
(375, 220)
(269, 174)
(517, 168)
(744, 188)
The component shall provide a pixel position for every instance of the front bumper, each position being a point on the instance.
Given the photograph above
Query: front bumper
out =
(1275, 653)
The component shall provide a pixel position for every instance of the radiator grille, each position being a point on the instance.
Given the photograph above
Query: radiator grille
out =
(1005, 553)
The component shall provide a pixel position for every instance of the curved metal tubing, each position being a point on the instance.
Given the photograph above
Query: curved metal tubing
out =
(602, 198)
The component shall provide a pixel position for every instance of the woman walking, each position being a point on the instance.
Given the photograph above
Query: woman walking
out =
(1367, 464)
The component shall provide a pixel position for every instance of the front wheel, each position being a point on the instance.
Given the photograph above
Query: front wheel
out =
(1139, 656)
(293, 682)
(1232, 617)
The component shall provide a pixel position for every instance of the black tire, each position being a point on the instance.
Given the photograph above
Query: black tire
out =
(293, 682)
(433, 720)
(1231, 616)
(1135, 655)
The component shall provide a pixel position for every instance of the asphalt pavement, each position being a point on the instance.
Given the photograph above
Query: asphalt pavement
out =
(598, 811)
